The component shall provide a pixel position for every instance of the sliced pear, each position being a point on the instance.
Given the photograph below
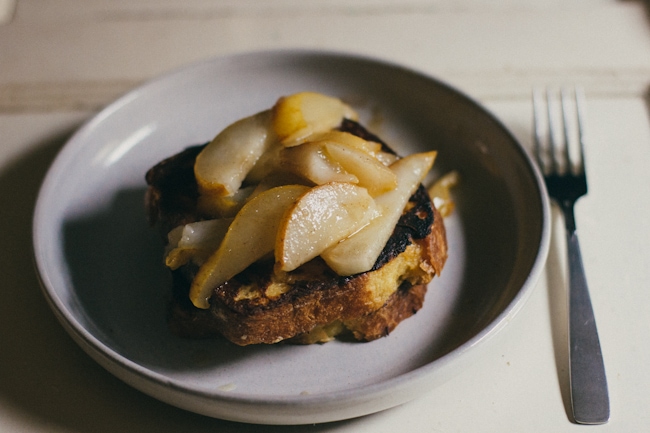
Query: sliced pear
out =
(277, 179)
(251, 236)
(372, 174)
(195, 241)
(352, 141)
(224, 163)
(441, 195)
(224, 207)
(386, 158)
(311, 162)
(308, 161)
(298, 116)
(322, 217)
(266, 164)
(349, 140)
(359, 252)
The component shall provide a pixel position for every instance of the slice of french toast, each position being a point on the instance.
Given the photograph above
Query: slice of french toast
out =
(311, 303)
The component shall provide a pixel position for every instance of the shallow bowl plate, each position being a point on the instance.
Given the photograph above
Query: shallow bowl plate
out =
(101, 266)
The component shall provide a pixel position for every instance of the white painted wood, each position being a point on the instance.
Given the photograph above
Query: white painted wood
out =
(71, 55)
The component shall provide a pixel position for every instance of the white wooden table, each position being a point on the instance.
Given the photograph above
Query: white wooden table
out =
(63, 60)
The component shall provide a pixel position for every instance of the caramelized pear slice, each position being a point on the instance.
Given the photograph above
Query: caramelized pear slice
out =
(359, 252)
(277, 179)
(310, 161)
(224, 163)
(322, 217)
(251, 236)
(372, 148)
(301, 115)
(226, 206)
(386, 158)
(195, 241)
(440, 193)
(372, 174)
(349, 140)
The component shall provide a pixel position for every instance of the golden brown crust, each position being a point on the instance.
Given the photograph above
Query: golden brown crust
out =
(370, 304)
(404, 303)
(435, 245)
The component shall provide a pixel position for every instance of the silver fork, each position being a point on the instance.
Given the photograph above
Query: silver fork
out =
(566, 181)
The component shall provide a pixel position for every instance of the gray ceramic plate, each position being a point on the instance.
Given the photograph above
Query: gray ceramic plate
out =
(101, 266)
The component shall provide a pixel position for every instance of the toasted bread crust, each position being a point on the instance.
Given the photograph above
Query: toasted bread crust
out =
(246, 309)
(404, 303)
(261, 306)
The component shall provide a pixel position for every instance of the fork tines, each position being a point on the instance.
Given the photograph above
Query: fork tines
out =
(559, 111)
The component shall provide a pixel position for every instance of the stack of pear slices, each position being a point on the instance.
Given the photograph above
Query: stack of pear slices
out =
(285, 182)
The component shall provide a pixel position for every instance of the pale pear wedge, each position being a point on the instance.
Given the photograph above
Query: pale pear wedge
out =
(349, 140)
(310, 161)
(266, 164)
(251, 236)
(372, 174)
(299, 116)
(226, 206)
(322, 217)
(195, 241)
(224, 163)
(386, 158)
(346, 139)
(440, 193)
(277, 179)
(359, 252)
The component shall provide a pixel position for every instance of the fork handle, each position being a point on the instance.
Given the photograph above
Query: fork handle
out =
(588, 384)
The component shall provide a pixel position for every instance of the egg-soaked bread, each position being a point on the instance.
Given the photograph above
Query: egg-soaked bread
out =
(312, 303)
